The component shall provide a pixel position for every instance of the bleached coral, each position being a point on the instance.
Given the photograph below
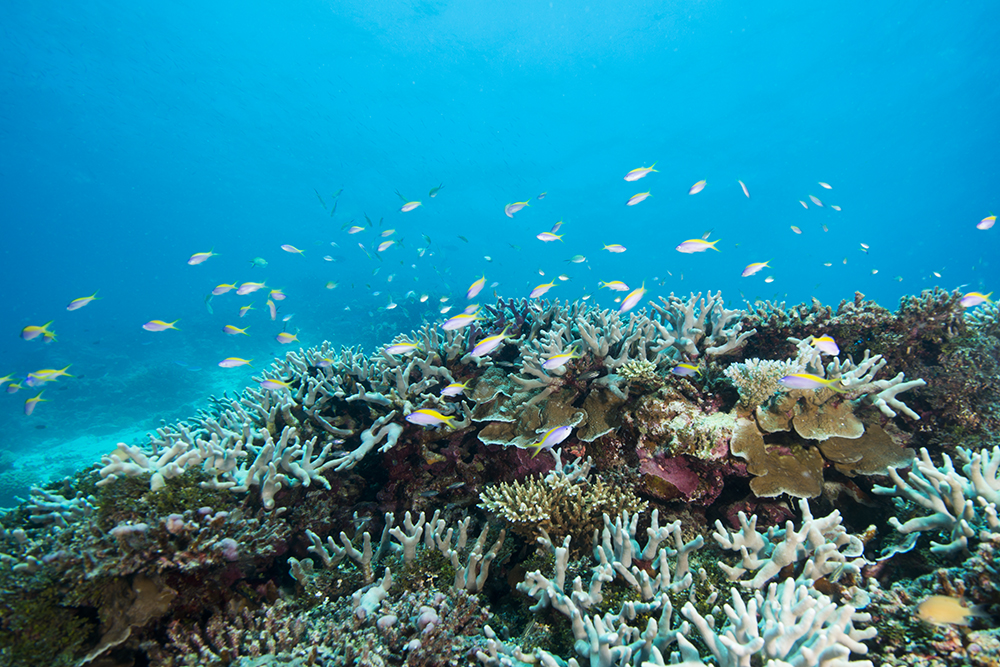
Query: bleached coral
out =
(790, 624)
(822, 542)
(963, 502)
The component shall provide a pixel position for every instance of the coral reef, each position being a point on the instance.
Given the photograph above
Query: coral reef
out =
(310, 520)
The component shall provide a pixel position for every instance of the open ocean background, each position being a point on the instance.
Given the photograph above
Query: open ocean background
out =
(133, 135)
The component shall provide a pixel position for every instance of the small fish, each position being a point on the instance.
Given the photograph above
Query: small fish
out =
(826, 345)
(258, 262)
(5, 379)
(511, 209)
(685, 370)
(629, 302)
(445, 310)
(285, 338)
(987, 222)
(409, 206)
(320, 198)
(835, 207)
(32, 331)
(423, 298)
(278, 295)
(769, 279)
(614, 247)
(804, 205)
(754, 268)
(745, 191)
(475, 288)
(551, 438)
(638, 173)
(77, 304)
(615, 286)
(160, 325)
(29, 405)
(825, 228)
(864, 248)
(697, 187)
(402, 348)
(355, 229)
(272, 309)
(945, 609)
(548, 237)
(384, 245)
(232, 331)
(275, 385)
(696, 245)
(387, 232)
(247, 288)
(577, 259)
(459, 321)
(245, 309)
(487, 258)
(434, 191)
(200, 257)
(635, 199)
(540, 290)
(222, 289)
(815, 200)
(489, 344)
(563, 277)
(428, 417)
(233, 362)
(455, 389)
(46, 375)
(973, 299)
(292, 249)
(325, 362)
(287, 317)
(796, 229)
(541, 196)
(825, 185)
(560, 360)
(463, 238)
(13, 388)
(809, 381)
(827, 263)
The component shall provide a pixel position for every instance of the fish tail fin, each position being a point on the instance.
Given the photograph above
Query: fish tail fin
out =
(537, 447)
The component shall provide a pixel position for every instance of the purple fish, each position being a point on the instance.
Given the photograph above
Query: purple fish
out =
(632, 299)
(551, 439)
(809, 381)
(511, 209)
(697, 245)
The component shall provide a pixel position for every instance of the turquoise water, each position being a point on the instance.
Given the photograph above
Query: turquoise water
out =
(134, 136)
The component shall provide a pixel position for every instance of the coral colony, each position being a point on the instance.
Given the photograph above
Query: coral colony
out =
(549, 484)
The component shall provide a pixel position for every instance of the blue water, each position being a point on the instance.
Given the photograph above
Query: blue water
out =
(133, 135)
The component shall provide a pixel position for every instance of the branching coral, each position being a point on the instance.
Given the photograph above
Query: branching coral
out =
(565, 502)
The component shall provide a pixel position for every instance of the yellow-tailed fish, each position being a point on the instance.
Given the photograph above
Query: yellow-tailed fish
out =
(697, 187)
(810, 381)
(636, 198)
(754, 268)
(233, 362)
(200, 257)
(232, 331)
(33, 331)
(160, 325)
(638, 173)
(285, 338)
(697, 245)
(76, 304)
(428, 417)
